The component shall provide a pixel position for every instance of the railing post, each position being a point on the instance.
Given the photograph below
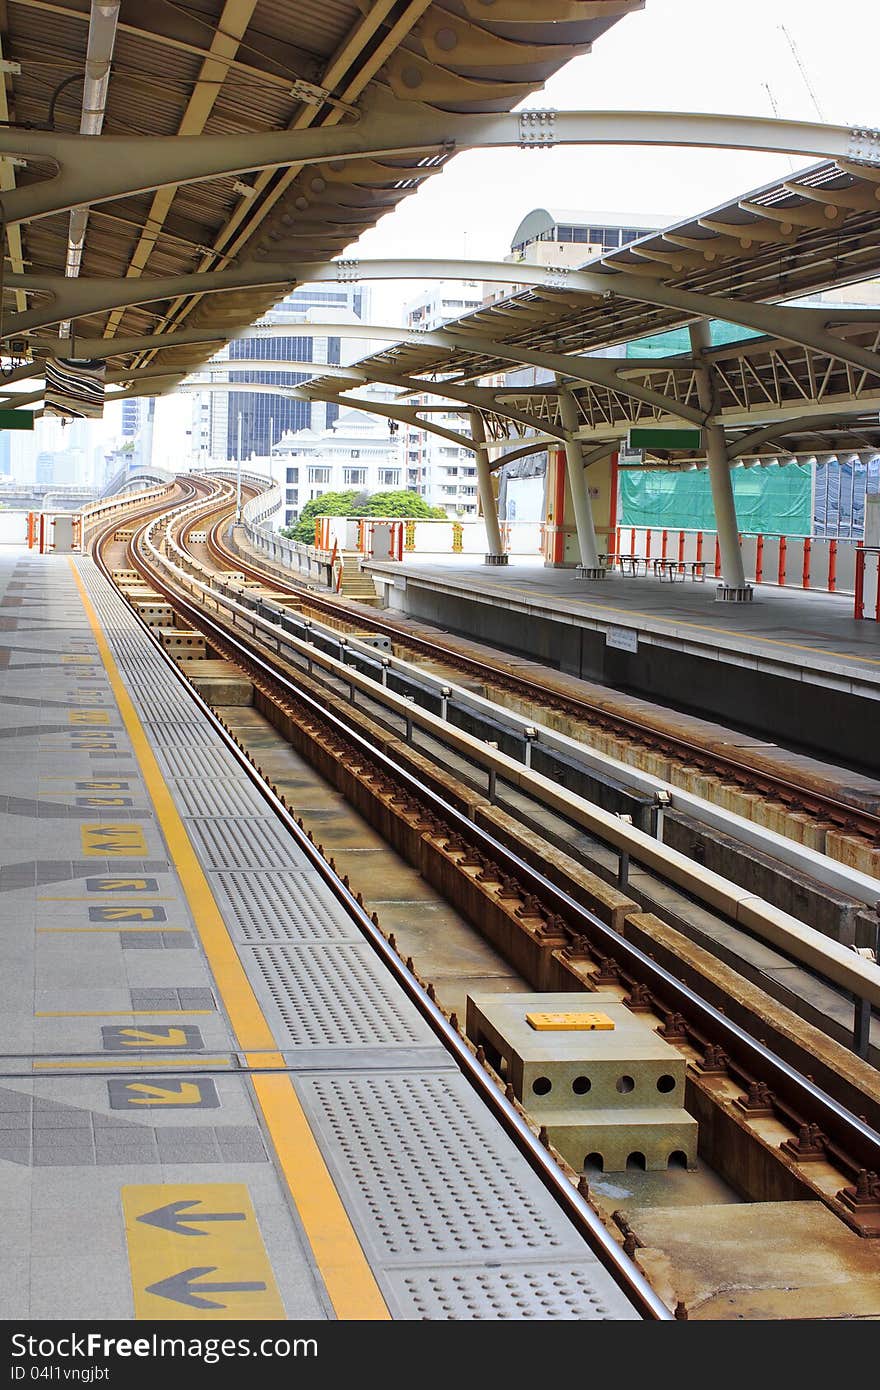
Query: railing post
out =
(861, 1027)
(531, 735)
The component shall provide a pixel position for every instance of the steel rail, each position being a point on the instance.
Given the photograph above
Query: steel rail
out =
(855, 1137)
(842, 814)
(622, 1269)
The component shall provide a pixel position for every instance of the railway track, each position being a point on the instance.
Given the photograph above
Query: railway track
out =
(810, 1119)
(799, 796)
(571, 1196)
(729, 1063)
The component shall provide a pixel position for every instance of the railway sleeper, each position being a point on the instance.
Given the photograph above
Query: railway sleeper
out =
(541, 950)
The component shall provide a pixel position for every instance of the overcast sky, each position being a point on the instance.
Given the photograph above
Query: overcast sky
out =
(675, 55)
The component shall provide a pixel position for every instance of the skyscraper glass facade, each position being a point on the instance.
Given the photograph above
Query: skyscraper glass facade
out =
(264, 417)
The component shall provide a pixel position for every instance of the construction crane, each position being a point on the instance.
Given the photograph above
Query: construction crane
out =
(807, 83)
(769, 91)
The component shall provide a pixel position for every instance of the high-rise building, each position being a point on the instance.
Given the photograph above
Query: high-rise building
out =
(357, 452)
(132, 415)
(242, 423)
(565, 238)
(444, 473)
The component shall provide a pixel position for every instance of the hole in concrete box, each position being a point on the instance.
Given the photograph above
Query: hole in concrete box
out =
(637, 1160)
(666, 1084)
(542, 1085)
(678, 1159)
(625, 1084)
(594, 1163)
(581, 1085)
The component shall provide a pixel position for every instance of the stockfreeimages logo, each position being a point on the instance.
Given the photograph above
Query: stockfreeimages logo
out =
(43, 1358)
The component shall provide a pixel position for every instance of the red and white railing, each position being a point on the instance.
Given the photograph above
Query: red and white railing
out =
(800, 562)
(867, 591)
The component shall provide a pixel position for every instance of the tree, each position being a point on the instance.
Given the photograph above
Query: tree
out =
(396, 504)
(331, 504)
(408, 504)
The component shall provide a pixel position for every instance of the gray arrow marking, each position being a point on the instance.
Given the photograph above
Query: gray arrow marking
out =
(171, 1218)
(181, 1288)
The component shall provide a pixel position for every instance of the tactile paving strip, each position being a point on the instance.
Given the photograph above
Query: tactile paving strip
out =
(335, 994)
(281, 907)
(197, 763)
(536, 1292)
(242, 844)
(431, 1172)
(172, 734)
(219, 798)
(453, 1221)
(439, 1199)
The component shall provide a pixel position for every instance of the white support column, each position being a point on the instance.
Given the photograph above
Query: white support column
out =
(733, 587)
(589, 567)
(496, 554)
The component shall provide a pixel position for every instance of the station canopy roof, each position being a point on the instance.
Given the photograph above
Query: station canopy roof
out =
(241, 66)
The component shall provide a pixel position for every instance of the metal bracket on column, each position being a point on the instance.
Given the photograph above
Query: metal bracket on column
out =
(537, 129)
(491, 559)
(347, 272)
(557, 278)
(864, 145)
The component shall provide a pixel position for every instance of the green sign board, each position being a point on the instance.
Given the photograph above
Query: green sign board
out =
(16, 419)
(660, 438)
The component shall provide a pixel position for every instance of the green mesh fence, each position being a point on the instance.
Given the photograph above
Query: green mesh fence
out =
(677, 340)
(776, 500)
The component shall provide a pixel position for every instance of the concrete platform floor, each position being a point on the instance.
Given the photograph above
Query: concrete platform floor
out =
(806, 626)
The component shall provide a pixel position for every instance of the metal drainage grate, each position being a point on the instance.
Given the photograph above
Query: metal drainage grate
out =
(282, 907)
(245, 844)
(336, 995)
(567, 1291)
(431, 1174)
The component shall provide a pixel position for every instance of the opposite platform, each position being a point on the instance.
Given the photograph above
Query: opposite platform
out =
(215, 1103)
(778, 664)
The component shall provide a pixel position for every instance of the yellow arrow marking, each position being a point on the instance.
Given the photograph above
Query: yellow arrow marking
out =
(88, 716)
(340, 1258)
(189, 1094)
(232, 1250)
(126, 914)
(101, 841)
(139, 1037)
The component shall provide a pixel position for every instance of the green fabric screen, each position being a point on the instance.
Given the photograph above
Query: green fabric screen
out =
(677, 340)
(776, 500)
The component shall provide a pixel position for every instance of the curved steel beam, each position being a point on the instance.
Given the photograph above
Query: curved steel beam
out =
(407, 414)
(592, 370)
(124, 165)
(74, 298)
(737, 447)
(471, 396)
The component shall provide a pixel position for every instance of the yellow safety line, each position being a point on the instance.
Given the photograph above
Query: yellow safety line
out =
(630, 613)
(190, 1062)
(127, 1013)
(349, 1280)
